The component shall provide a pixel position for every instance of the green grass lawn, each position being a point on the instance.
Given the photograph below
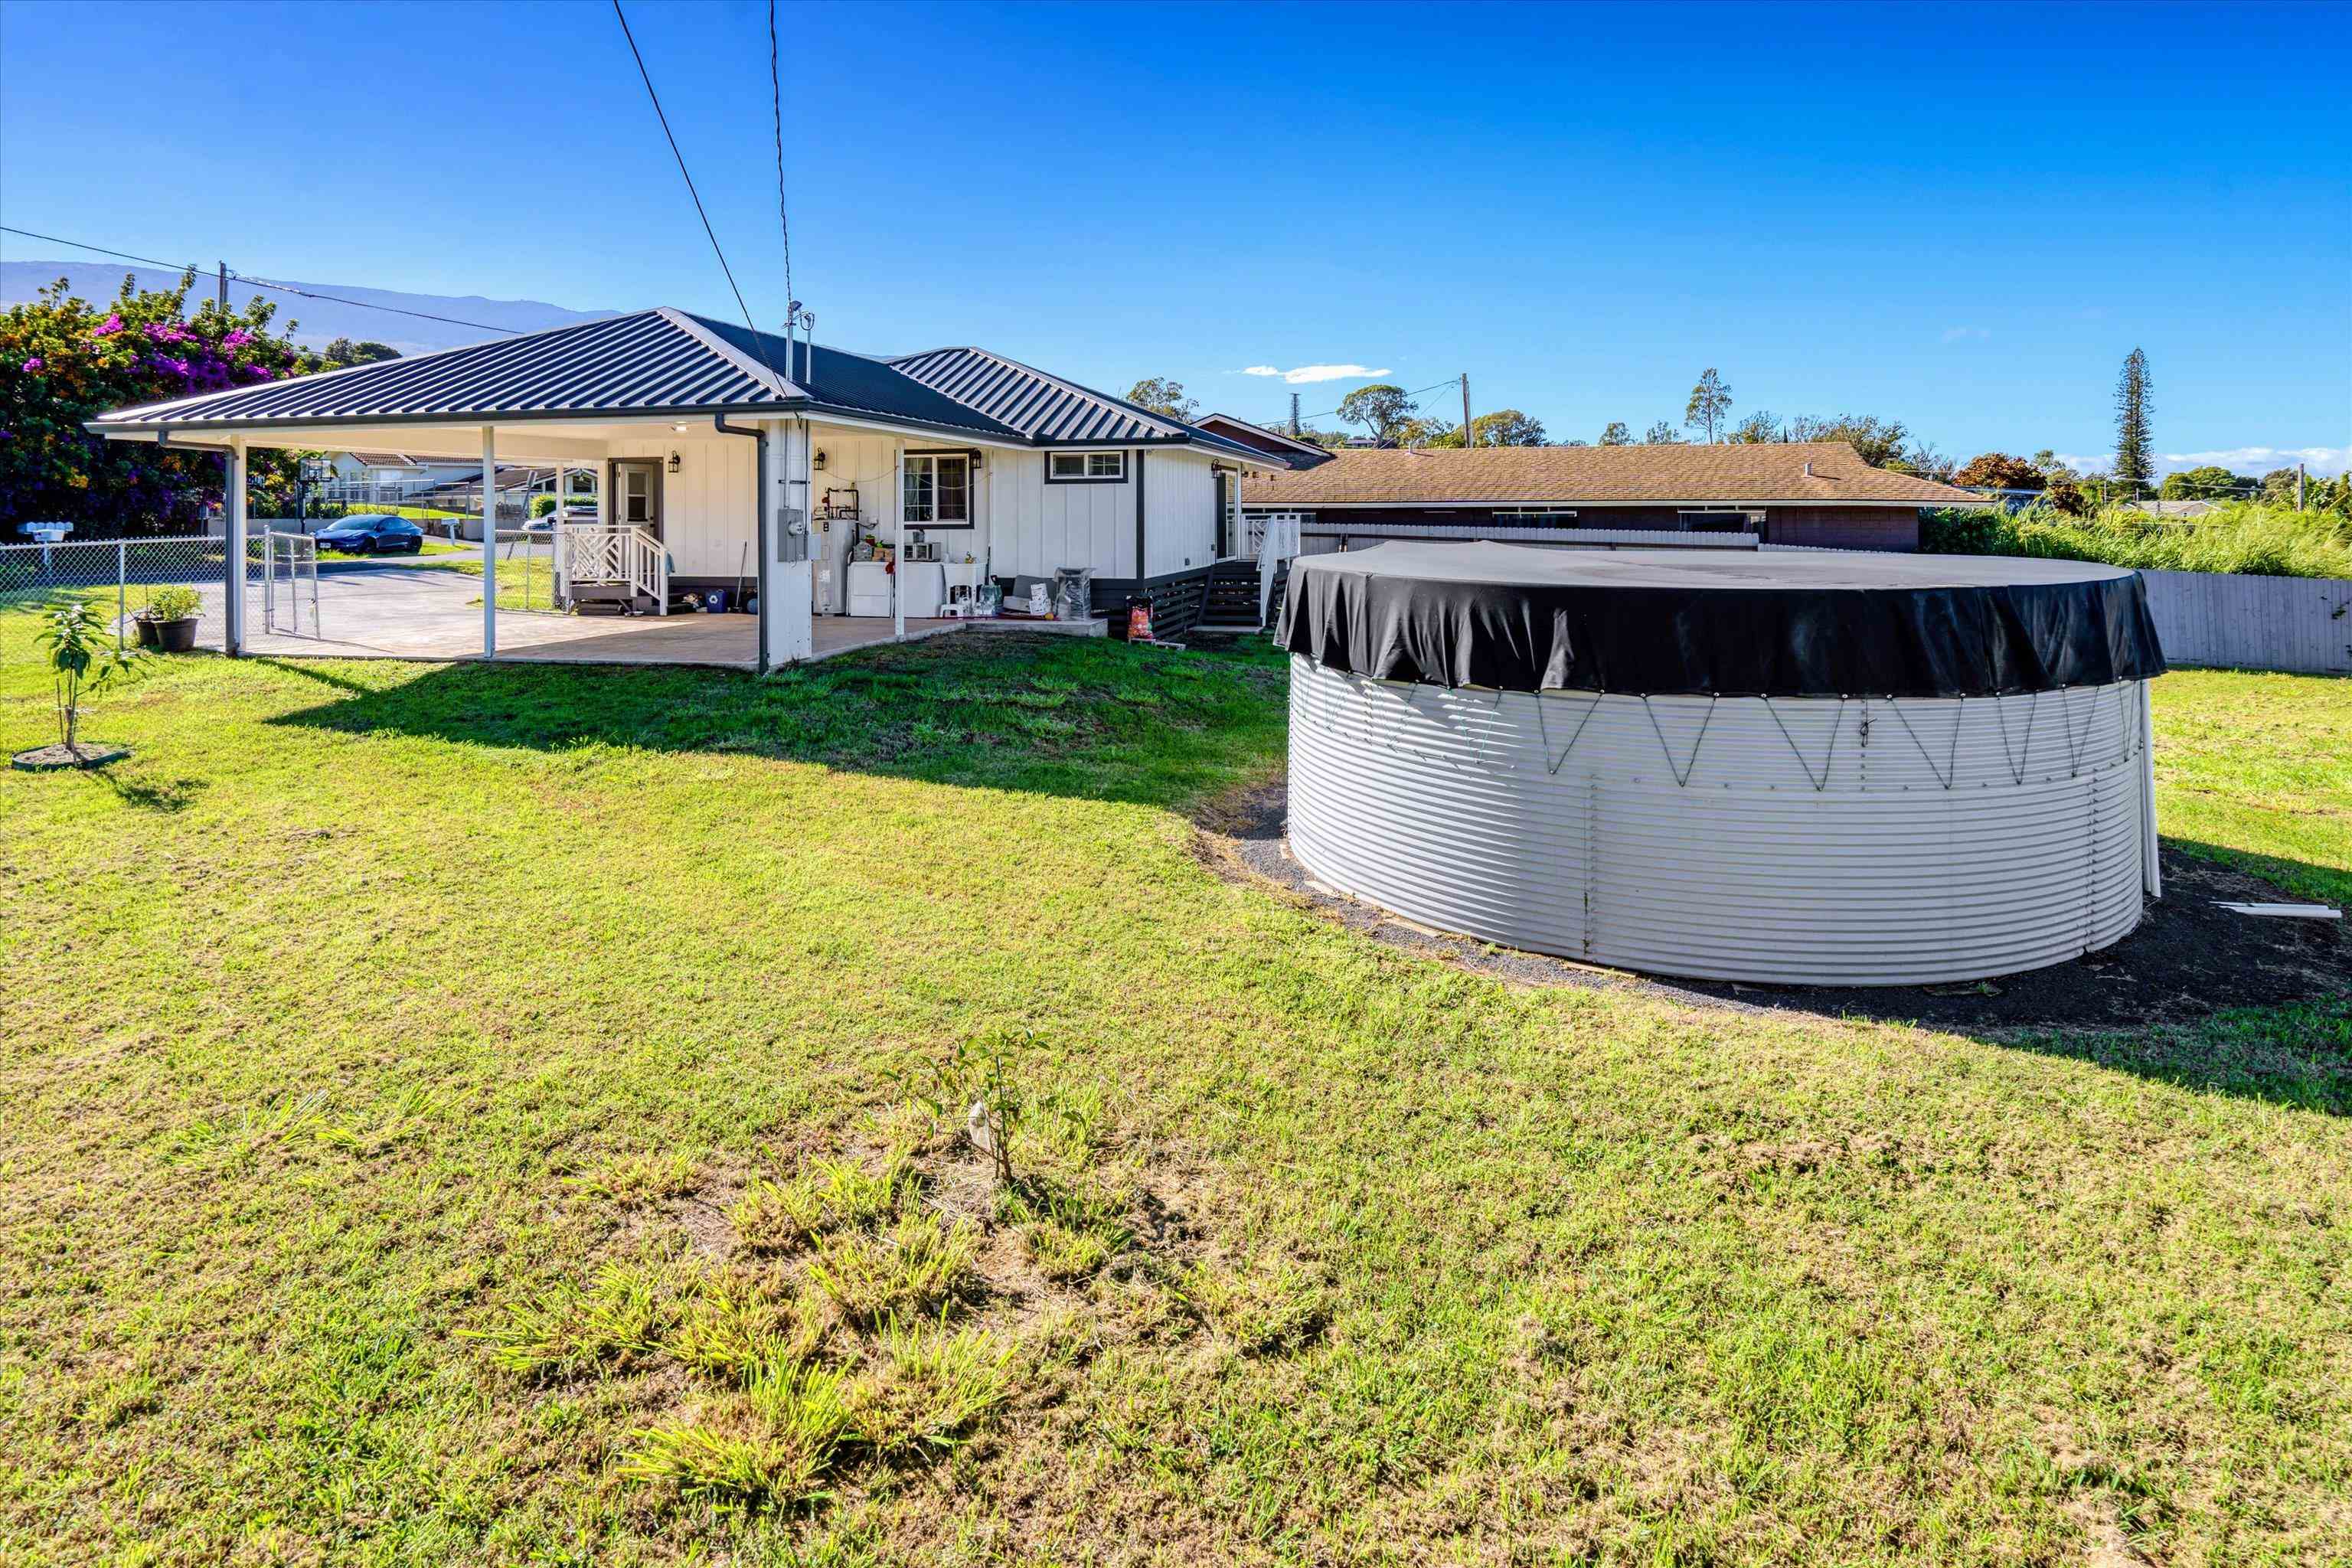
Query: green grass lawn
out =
(2257, 770)
(513, 1114)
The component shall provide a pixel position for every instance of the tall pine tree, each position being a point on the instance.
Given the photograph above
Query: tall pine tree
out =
(2133, 466)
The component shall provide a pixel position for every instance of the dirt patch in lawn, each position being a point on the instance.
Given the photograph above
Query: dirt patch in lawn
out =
(2188, 958)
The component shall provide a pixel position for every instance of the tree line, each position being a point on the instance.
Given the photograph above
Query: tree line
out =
(1389, 417)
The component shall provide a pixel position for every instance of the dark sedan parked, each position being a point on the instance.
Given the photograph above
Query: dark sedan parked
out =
(373, 536)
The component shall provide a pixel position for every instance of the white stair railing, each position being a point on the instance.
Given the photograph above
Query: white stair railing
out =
(1277, 543)
(598, 554)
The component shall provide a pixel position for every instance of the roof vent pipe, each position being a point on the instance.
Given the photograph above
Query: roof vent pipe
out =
(1809, 468)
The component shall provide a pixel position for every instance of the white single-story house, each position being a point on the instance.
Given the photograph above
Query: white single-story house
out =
(728, 455)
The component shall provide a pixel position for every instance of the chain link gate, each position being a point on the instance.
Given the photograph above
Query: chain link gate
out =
(289, 565)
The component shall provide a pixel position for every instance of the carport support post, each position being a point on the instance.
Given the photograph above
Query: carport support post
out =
(233, 551)
(490, 543)
(898, 539)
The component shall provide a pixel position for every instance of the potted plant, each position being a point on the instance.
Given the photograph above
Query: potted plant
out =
(81, 657)
(169, 621)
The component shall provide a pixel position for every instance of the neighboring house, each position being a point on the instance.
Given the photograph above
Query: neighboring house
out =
(1258, 436)
(1818, 493)
(724, 452)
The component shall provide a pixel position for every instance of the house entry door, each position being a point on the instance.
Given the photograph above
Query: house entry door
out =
(636, 493)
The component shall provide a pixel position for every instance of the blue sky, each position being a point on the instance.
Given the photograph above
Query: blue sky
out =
(1959, 216)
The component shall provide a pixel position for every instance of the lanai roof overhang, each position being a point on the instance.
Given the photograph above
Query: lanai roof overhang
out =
(520, 436)
(566, 393)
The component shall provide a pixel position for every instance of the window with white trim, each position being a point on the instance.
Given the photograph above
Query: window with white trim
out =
(1079, 467)
(937, 491)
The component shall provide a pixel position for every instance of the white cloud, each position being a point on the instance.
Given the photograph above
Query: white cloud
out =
(1956, 334)
(2324, 462)
(2329, 460)
(1307, 372)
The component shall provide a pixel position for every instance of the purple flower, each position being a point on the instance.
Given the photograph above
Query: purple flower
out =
(108, 327)
(237, 339)
(35, 363)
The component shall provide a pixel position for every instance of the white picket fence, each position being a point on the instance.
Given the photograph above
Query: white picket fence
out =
(2300, 624)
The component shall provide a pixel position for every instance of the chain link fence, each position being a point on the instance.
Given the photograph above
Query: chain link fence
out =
(120, 577)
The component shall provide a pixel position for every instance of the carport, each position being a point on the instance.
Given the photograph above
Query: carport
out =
(708, 448)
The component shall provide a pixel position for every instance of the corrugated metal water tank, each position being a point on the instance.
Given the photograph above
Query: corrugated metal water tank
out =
(1805, 769)
(1796, 840)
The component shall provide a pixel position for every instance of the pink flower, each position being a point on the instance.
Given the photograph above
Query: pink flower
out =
(35, 363)
(108, 327)
(237, 339)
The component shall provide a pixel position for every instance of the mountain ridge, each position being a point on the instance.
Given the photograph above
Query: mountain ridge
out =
(319, 321)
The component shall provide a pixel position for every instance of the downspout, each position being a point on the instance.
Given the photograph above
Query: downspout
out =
(760, 513)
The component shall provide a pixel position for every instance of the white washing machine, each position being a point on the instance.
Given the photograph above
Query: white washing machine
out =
(869, 588)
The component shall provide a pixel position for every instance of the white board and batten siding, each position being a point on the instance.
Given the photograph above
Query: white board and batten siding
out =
(1035, 526)
(1180, 503)
(1025, 525)
(706, 506)
(1039, 526)
(2299, 625)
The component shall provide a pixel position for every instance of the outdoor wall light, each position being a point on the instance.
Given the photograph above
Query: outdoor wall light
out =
(817, 462)
(676, 462)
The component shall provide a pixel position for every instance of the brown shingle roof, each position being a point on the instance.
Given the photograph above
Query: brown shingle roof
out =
(1514, 476)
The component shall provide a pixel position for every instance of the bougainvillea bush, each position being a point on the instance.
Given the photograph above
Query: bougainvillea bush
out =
(64, 360)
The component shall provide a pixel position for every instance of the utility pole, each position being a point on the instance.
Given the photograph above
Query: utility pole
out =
(1294, 417)
(223, 295)
(1469, 436)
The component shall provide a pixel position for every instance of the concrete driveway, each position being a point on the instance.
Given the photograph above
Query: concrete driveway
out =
(370, 610)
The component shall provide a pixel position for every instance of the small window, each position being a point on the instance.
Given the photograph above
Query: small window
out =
(1083, 468)
(1717, 522)
(938, 491)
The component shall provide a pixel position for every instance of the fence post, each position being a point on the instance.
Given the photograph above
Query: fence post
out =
(233, 552)
(121, 587)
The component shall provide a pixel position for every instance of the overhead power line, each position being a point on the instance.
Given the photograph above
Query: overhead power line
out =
(259, 283)
(758, 343)
(1433, 386)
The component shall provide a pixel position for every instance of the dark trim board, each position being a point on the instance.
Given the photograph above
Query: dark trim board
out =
(1142, 561)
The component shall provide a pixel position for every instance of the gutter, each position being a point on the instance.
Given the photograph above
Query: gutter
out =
(760, 521)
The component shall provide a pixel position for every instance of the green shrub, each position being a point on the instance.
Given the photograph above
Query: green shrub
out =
(172, 603)
(2245, 537)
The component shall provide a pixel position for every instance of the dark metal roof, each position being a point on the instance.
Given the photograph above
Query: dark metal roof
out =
(1042, 407)
(1052, 412)
(651, 361)
(856, 383)
(668, 363)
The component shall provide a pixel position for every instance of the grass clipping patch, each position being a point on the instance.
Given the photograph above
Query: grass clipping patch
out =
(834, 1339)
